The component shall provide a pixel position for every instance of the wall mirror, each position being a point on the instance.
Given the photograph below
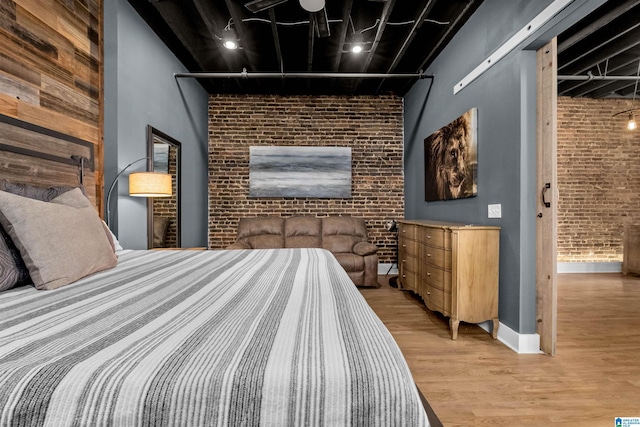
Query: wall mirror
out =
(163, 213)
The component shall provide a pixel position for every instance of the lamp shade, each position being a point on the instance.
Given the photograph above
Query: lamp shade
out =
(312, 5)
(150, 184)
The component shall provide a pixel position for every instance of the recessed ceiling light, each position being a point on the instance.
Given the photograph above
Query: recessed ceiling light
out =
(230, 44)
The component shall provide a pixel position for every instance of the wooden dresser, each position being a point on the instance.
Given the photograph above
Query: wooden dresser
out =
(453, 267)
(631, 257)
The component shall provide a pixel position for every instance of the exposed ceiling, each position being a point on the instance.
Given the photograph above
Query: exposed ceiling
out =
(400, 37)
(606, 45)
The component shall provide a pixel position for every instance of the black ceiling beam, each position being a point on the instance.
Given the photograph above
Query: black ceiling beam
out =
(407, 41)
(384, 18)
(242, 34)
(310, 44)
(174, 16)
(346, 13)
(276, 38)
(209, 16)
(469, 8)
(322, 23)
(154, 19)
(626, 43)
(597, 24)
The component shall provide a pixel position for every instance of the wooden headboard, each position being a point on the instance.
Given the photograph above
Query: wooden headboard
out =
(35, 155)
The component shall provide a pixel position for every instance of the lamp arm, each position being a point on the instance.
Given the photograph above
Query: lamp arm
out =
(113, 184)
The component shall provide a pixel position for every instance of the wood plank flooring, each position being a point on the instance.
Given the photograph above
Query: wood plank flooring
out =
(476, 381)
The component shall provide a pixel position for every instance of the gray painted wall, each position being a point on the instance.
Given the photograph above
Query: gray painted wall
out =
(139, 90)
(505, 97)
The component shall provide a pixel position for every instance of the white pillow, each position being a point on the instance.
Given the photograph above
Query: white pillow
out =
(116, 245)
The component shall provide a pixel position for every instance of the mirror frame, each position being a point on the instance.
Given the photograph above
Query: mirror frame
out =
(151, 134)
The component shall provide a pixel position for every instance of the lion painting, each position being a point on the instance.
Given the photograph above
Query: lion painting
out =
(450, 159)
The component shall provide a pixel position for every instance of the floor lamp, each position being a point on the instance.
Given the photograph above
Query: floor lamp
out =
(142, 184)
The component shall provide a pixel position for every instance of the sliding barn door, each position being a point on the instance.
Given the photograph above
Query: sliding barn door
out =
(547, 206)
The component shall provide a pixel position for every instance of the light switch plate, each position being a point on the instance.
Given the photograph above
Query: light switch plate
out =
(495, 211)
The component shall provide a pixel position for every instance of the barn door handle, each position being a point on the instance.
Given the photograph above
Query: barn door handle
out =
(544, 190)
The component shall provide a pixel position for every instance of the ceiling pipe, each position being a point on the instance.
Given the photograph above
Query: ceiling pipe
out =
(246, 75)
(592, 77)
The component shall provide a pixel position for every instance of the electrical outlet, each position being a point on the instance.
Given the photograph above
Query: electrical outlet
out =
(495, 211)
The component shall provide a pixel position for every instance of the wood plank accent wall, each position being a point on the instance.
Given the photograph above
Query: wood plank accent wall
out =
(371, 126)
(51, 68)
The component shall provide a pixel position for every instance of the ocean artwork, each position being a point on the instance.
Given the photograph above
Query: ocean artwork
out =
(319, 172)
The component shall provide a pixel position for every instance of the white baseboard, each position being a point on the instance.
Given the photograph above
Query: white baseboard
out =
(520, 343)
(589, 267)
(383, 268)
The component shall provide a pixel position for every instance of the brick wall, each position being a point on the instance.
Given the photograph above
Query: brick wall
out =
(371, 126)
(598, 179)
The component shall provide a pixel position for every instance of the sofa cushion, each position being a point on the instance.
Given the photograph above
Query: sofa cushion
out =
(341, 233)
(303, 232)
(365, 248)
(262, 232)
(350, 262)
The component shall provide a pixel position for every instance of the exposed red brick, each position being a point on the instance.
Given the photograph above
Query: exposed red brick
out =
(371, 126)
(598, 179)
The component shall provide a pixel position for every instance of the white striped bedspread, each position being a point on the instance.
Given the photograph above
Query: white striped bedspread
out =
(277, 337)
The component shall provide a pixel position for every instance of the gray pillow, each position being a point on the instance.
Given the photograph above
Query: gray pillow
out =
(60, 241)
(13, 272)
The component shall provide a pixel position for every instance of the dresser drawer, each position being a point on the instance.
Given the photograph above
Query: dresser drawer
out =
(408, 262)
(408, 246)
(433, 276)
(434, 298)
(407, 230)
(433, 237)
(434, 256)
(408, 280)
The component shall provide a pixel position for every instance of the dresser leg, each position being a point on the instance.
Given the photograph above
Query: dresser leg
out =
(494, 331)
(453, 324)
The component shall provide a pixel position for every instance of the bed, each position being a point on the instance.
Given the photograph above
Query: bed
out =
(183, 338)
(274, 337)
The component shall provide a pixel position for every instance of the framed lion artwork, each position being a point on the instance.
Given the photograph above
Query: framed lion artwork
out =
(451, 159)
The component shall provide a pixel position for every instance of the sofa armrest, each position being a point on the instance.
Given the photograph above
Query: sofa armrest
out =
(364, 248)
(239, 245)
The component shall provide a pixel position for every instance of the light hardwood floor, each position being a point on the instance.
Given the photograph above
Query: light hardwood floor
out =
(476, 381)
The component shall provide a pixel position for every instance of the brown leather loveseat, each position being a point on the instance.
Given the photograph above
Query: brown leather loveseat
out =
(344, 236)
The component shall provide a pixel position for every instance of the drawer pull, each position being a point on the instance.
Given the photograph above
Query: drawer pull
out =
(428, 236)
(429, 255)
(404, 276)
(404, 246)
(428, 274)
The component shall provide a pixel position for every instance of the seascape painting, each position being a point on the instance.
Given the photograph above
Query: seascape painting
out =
(161, 157)
(294, 171)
